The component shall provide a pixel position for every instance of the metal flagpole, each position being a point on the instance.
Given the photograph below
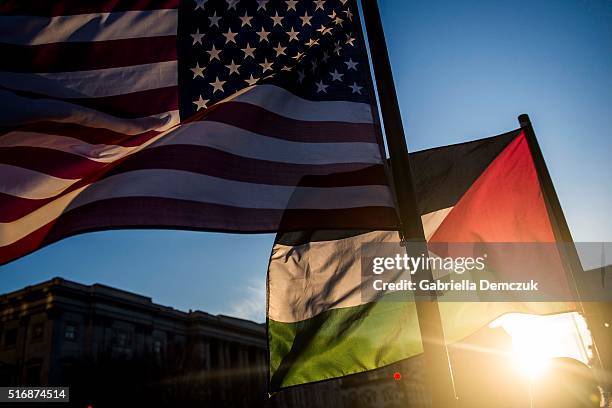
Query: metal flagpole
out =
(560, 228)
(438, 368)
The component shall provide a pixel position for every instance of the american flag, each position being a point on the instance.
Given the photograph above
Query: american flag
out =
(219, 115)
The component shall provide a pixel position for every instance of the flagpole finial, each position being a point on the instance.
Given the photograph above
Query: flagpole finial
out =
(524, 120)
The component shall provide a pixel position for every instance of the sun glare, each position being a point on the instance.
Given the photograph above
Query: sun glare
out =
(536, 340)
(529, 360)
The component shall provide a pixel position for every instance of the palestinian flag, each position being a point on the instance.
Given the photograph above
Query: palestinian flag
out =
(319, 324)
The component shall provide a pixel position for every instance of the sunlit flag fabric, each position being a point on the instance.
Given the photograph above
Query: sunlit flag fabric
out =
(207, 115)
(319, 324)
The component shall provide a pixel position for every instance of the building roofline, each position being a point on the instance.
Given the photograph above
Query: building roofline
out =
(133, 299)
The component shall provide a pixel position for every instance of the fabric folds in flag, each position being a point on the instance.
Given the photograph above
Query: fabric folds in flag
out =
(319, 324)
(201, 115)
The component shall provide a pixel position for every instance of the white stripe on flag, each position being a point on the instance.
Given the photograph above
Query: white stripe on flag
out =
(432, 221)
(18, 110)
(216, 135)
(26, 183)
(243, 143)
(284, 103)
(95, 83)
(309, 279)
(182, 185)
(33, 30)
(102, 153)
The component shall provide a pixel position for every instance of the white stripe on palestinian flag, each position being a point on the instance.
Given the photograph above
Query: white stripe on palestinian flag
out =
(302, 286)
(309, 279)
(33, 30)
(95, 83)
(431, 221)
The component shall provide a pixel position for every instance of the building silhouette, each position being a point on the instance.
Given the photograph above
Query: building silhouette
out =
(111, 345)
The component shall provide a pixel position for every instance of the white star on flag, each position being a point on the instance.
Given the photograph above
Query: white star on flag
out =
(214, 20)
(266, 66)
(321, 87)
(197, 37)
(214, 53)
(279, 50)
(261, 4)
(351, 65)
(293, 35)
(251, 81)
(355, 88)
(263, 35)
(291, 4)
(324, 30)
(278, 20)
(312, 42)
(229, 36)
(233, 68)
(249, 51)
(320, 4)
(314, 65)
(200, 4)
(336, 76)
(246, 20)
(217, 85)
(306, 19)
(198, 71)
(201, 103)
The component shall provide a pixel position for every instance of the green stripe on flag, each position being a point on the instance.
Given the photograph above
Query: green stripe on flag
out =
(342, 341)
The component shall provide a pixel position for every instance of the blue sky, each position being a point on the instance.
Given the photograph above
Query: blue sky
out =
(463, 70)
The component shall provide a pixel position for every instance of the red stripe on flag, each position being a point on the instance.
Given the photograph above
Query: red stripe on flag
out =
(129, 105)
(135, 104)
(259, 120)
(48, 161)
(216, 163)
(87, 134)
(136, 212)
(83, 56)
(68, 7)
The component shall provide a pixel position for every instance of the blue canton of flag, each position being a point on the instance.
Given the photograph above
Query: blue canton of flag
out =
(312, 48)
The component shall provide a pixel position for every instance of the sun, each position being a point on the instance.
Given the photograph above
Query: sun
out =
(530, 360)
(536, 340)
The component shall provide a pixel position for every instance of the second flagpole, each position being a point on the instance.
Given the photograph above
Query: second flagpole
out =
(438, 368)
